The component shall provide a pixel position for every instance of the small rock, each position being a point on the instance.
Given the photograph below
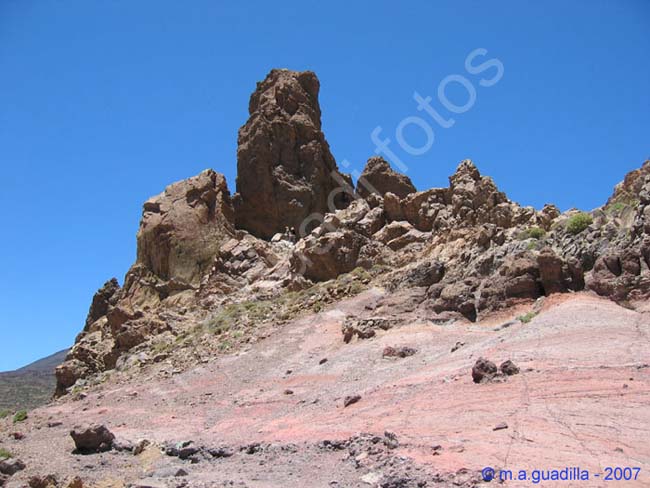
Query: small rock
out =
(75, 482)
(483, 370)
(169, 472)
(351, 400)
(398, 352)
(51, 425)
(19, 436)
(140, 446)
(182, 450)
(322, 361)
(220, 452)
(288, 392)
(92, 439)
(390, 440)
(457, 346)
(501, 426)
(509, 368)
(49, 481)
(11, 466)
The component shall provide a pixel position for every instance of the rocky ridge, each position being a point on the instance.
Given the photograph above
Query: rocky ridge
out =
(213, 270)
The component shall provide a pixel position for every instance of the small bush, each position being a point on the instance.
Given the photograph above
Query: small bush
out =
(615, 208)
(536, 233)
(20, 416)
(578, 222)
(4, 414)
(4, 454)
(526, 317)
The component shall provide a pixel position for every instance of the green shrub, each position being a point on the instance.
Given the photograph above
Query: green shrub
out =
(20, 416)
(578, 222)
(4, 414)
(527, 317)
(4, 454)
(536, 233)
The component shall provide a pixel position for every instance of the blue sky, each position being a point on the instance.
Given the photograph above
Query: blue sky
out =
(104, 103)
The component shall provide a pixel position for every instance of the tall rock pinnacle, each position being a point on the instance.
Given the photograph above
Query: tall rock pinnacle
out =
(285, 171)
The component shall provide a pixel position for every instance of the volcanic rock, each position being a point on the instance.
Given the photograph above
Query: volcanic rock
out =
(378, 177)
(11, 466)
(183, 228)
(483, 370)
(285, 171)
(509, 368)
(92, 439)
(105, 297)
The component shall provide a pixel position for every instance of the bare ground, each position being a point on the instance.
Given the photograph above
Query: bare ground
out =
(582, 399)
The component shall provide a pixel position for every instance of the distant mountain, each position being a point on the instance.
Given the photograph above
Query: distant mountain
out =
(30, 386)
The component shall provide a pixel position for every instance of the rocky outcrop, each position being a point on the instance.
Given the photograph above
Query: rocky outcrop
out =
(105, 298)
(285, 170)
(378, 177)
(458, 252)
(183, 228)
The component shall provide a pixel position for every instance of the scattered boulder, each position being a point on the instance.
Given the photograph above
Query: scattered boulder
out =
(363, 328)
(483, 370)
(47, 481)
(501, 426)
(11, 466)
(509, 368)
(351, 400)
(390, 440)
(182, 450)
(140, 446)
(378, 177)
(92, 439)
(398, 352)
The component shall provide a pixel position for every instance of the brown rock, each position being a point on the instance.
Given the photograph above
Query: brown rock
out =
(378, 177)
(48, 481)
(105, 297)
(285, 171)
(324, 258)
(483, 370)
(11, 466)
(551, 272)
(398, 352)
(183, 228)
(509, 368)
(351, 400)
(92, 439)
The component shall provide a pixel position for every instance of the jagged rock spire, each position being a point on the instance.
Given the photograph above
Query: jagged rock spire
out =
(285, 170)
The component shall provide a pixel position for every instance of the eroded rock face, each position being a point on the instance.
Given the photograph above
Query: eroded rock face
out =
(183, 228)
(378, 177)
(105, 298)
(285, 170)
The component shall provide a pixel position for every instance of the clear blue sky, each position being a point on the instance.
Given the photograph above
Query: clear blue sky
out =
(103, 103)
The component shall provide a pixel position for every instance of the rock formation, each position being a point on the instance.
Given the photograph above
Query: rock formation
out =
(183, 228)
(285, 170)
(205, 262)
(378, 177)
